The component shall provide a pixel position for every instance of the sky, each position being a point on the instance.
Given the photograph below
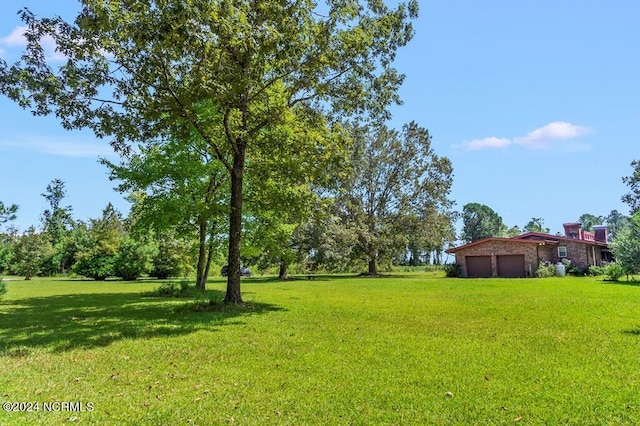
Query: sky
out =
(534, 102)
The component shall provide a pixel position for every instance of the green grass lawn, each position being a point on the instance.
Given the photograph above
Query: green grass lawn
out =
(411, 349)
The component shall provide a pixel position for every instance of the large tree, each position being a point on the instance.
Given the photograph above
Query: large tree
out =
(480, 221)
(137, 71)
(397, 180)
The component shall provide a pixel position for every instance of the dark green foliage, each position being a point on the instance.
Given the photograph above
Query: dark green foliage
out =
(133, 259)
(171, 259)
(479, 222)
(172, 289)
(577, 271)
(98, 266)
(3, 287)
(97, 257)
(453, 270)
(30, 252)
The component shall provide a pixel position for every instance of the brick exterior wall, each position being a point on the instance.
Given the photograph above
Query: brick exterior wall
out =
(496, 248)
(581, 255)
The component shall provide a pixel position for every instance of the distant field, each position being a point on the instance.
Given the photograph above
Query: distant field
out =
(408, 349)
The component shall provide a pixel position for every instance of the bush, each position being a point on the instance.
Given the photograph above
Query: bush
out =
(133, 259)
(452, 270)
(614, 271)
(172, 289)
(577, 271)
(3, 287)
(545, 270)
(596, 271)
(95, 265)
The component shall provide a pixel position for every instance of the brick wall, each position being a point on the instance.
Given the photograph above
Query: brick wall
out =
(581, 255)
(501, 247)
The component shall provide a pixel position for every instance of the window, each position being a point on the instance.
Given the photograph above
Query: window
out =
(562, 251)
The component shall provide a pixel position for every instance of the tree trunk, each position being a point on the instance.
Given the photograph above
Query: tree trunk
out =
(284, 270)
(207, 266)
(373, 269)
(233, 294)
(201, 280)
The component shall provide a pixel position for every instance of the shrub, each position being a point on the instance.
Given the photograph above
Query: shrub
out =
(452, 270)
(95, 265)
(614, 271)
(3, 287)
(596, 271)
(577, 271)
(545, 270)
(172, 289)
(133, 259)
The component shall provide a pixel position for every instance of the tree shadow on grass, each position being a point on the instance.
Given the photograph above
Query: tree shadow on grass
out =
(634, 332)
(323, 277)
(65, 322)
(633, 282)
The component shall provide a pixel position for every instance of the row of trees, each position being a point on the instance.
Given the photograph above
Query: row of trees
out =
(100, 248)
(480, 221)
(386, 203)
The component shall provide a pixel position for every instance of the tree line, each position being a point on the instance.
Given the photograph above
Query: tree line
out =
(480, 221)
(385, 203)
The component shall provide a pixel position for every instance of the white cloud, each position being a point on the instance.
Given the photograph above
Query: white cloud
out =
(60, 147)
(486, 143)
(543, 137)
(17, 39)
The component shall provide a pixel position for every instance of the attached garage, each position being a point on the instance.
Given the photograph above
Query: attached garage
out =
(511, 266)
(479, 266)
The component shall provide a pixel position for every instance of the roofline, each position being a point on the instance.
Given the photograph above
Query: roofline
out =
(512, 240)
(560, 238)
(548, 239)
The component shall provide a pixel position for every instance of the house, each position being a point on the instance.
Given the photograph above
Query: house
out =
(519, 256)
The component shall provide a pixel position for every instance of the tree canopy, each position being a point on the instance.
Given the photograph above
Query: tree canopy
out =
(140, 72)
(480, 221)
(397, 184)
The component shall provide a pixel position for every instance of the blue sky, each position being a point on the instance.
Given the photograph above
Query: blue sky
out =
(535, 103)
